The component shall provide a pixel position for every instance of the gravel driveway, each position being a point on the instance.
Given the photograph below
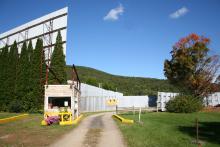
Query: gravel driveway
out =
(97, 130)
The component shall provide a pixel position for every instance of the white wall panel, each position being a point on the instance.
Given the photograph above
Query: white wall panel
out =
(136, 101)
(95, 99)
(39, 29)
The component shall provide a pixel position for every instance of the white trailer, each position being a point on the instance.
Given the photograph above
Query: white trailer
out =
(163, 98)
(212, 99)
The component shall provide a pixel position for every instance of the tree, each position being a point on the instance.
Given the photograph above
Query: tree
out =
(216, 85)
(37, 78)
(3, 78)
(12, 73)
(57, 74)
(109, 86)
(29, 99)
(92, 81)
(22, 83)
(30, 64)
(191, 68)
(22, 75)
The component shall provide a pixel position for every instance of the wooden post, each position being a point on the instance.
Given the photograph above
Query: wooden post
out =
(139, 118)
(116, 109)
(197, 132)
(133, 111)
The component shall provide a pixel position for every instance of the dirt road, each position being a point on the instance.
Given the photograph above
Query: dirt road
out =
(97, 130)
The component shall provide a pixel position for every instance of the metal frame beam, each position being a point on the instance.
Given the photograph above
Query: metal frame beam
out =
(60, 29)
(53, 18)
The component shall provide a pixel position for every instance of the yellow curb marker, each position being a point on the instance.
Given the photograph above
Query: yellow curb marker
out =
(77, 120)
(124, 120)
(63, 123)
(13, 118)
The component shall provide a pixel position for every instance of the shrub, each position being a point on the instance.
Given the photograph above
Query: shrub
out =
(184, 104)
(33, 110)
(3, 108)
(15, 106)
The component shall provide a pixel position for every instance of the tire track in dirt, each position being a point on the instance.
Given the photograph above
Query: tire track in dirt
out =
(94, 132)
(97, 130)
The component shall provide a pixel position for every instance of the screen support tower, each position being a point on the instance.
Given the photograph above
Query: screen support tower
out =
(45, 28)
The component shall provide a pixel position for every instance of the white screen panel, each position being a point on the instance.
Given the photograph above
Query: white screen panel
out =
(39, 28)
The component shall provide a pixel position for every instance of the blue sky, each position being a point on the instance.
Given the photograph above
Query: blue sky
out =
(126, 37)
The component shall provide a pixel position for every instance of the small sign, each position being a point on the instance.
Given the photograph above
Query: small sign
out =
(66, 103)
(112, 102)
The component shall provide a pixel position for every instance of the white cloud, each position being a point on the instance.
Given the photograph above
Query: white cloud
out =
(113, 14)
(180, 12)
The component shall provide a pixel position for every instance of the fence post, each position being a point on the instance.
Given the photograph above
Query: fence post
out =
(133, 111)
(139, 118)
(197, 133)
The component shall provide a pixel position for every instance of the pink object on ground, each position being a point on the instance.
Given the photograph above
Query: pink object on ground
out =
(52, 119)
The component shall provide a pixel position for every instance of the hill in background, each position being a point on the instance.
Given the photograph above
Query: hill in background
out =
(126, 85)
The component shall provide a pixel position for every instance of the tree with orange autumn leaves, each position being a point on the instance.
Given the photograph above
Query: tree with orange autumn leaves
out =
(191, 68)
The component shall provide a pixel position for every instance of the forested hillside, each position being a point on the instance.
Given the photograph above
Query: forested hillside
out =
(126, 85)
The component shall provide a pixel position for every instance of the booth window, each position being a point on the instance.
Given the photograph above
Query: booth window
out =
(57, 102)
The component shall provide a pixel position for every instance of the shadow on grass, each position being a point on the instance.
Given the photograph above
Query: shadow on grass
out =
(208, 131)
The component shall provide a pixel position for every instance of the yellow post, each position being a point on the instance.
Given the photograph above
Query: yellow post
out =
(62, 117)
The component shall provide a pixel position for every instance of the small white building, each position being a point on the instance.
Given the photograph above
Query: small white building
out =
(63, 98)
(59, 97)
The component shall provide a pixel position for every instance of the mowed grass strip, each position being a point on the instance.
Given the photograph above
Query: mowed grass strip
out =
(29, 132)
(172, 130)
(6, 115)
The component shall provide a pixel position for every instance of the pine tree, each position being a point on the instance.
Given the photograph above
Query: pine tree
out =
(3, 78)
(38, 74)
(58, 63)
(22, 76)
(29, 70)
(12, 73)
(29, 102)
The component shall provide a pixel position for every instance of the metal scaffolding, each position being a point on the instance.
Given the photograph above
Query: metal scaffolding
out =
(45, 28)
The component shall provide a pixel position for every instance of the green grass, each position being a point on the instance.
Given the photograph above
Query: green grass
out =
(172, 130)
(29, 132)
(5, 115)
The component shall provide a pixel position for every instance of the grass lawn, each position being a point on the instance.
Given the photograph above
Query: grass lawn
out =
(29, 132)
(5, 115)
(172, 130)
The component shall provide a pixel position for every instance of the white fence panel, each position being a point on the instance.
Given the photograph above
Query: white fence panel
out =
(95, 98)
(136, 101)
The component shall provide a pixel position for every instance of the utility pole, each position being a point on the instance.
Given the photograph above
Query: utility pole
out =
(100, 85)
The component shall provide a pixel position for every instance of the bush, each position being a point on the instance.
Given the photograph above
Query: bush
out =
(15, 106)
(184, 104)
(33, 110)
(3, 108)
